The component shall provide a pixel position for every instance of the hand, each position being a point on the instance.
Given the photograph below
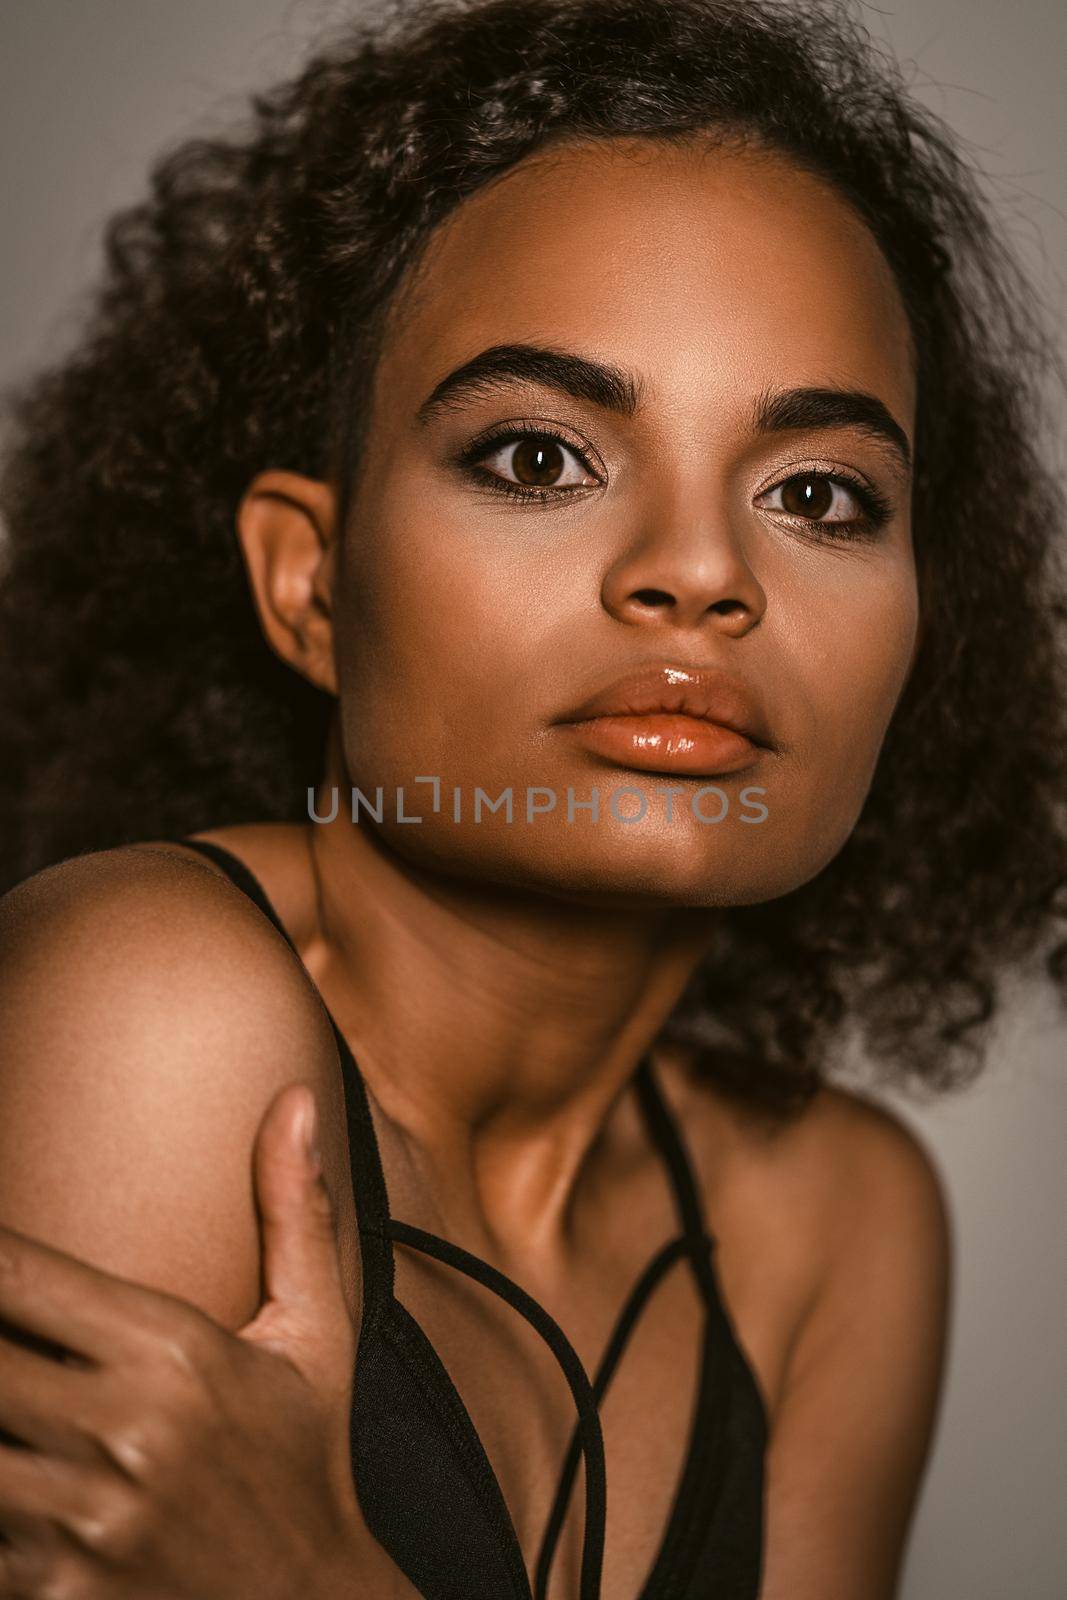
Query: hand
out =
(163, 1456)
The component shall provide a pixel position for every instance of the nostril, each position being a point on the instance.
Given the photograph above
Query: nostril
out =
(653, 597)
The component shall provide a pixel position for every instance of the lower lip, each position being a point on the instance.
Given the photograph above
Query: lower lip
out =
(666, 742)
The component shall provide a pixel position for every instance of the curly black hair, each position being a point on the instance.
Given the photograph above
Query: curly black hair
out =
(236, 328)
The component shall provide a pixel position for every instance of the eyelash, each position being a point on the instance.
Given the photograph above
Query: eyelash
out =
(877, 509)
(472, 454)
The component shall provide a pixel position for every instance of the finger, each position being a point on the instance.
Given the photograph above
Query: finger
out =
(41, 1398)
(305, 1313)
(29, 1546)
(55, 1296)
(42, 1498)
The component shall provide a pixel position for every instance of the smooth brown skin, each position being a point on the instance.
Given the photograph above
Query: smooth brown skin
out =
(498, 983)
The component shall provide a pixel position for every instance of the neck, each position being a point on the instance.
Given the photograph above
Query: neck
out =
(495, 1027)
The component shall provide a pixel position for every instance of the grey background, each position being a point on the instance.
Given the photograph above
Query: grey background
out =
(90, 89)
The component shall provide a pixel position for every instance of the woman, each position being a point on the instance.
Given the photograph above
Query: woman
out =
(626, 416)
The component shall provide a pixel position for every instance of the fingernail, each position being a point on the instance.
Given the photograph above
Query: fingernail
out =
(311, 1134)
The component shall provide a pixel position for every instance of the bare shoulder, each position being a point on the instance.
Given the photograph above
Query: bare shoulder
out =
(145, 942)
(882, 1203)
(878, 1209)
(138, 889)
(839, 1207)
(835, 1262)
(845, 1164)
(866, 1358)
(849, 1147)
(149, 1013)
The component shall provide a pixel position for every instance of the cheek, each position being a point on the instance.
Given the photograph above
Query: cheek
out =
(448, 654)
(852, 664)
(437, 647)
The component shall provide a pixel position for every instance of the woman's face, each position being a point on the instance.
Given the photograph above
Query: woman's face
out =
(688, 509)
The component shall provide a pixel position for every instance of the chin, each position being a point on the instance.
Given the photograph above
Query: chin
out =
(620, 867)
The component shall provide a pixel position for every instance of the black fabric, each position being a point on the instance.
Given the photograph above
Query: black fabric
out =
(425, 1483)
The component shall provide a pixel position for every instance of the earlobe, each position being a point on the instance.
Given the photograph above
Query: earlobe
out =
(286, 525)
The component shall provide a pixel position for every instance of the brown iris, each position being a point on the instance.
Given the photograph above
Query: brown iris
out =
(537, 461)
(808, 495)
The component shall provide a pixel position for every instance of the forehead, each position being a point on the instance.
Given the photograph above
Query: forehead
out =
(718, 271)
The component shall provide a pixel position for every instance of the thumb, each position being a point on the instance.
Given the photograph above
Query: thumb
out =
(304, 1314)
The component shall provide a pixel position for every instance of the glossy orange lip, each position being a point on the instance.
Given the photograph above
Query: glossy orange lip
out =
(666, 742)
(663, 693)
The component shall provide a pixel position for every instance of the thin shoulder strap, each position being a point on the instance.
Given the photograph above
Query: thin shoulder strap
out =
(368, 1176)
(590, 1439)
(694, 1242)
(664, 1130)
(241, 875)
(641, 1292)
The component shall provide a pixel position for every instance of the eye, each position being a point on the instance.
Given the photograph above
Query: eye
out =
(530, 464)
(828, 499)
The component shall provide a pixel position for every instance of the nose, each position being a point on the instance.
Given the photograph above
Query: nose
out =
(690, 571)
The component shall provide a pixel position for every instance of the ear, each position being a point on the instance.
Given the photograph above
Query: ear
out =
(286, 525)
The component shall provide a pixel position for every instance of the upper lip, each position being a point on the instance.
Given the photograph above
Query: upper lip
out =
(707, 692)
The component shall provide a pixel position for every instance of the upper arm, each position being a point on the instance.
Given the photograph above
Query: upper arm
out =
(148, 1016)
(852, 1433)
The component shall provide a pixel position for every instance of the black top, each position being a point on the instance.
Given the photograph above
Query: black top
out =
(425, 1483)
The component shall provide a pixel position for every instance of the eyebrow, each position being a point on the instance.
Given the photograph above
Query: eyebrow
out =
(613, 389)
(597, 382)
(777, 411)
